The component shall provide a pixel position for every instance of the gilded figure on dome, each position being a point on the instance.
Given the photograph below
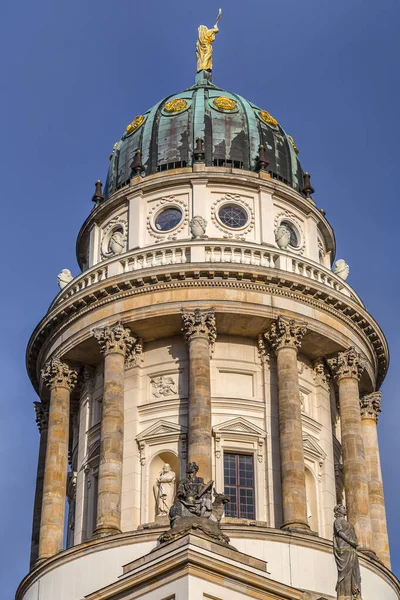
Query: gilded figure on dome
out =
(204, 45)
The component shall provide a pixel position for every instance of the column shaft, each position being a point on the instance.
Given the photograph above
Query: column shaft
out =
(55, 476)
(199, 414)
(42, 421)
(111, 447)
(294, 497)
(354, 467)
(369, 414)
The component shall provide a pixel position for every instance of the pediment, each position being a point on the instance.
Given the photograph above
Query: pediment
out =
(239, 426)
(161, 429)
(92, 455)
(312, 447)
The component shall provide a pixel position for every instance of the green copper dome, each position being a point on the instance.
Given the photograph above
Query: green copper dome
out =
(231, 131)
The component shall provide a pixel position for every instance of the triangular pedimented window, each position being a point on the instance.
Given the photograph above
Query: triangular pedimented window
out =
(240, 427)
(312, 449)
(162, 430)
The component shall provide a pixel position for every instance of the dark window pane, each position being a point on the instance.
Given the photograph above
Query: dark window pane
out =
(239, 485)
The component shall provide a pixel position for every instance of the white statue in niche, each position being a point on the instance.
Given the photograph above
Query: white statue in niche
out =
(64, 278)
(341, 269)
(117, 242)
(282, 237)
(164, 491)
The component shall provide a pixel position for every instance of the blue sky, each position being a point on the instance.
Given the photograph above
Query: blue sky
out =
(75, 73)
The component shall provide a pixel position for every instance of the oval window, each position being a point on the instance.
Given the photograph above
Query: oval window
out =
(233, 216)
(168, 219)
(294, 238)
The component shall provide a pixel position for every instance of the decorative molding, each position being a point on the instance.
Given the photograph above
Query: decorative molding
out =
(199, 323)
(264, 351)
(285, 333)
(162, 432)
(165, 202)
(86, 383)
(239, 429)
(230, 233)
(314, 452)
(349, 363)
(370, 406)
(42, 415)
(57, 373)
(117, 339)
(287, 215)
(163, 386)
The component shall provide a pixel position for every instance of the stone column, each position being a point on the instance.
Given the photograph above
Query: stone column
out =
(370, 409)
(61, 378)
(200, 334)
(119, 347)
(347, 368)
(42, 420)
(285, 336)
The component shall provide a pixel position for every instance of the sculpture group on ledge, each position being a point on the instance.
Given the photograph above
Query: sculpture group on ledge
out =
(194, 508)
(345, 545)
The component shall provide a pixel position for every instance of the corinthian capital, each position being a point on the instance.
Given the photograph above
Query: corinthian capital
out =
(42, 415)
(117, 339)
(57, 373)
(199, 323)
(285, 333)
(370, 406)
(347, 364)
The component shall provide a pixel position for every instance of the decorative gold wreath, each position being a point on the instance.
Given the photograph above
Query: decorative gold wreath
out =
(267, 118)
(175, 105)
(136, 123)
(224, 103)
(291, 140)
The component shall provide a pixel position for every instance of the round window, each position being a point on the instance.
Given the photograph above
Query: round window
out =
(168, 219)
(233, 216)
(294, 238)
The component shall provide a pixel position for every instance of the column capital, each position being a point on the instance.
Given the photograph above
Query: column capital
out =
(117, 339)
(320, 373)
(42, 415)
(199, 323)
(347, 364)
(264, 349)
(57, 373)
(370, 406)
(285, 333)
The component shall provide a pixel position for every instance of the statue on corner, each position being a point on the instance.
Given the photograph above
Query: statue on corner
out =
(204, 45)
(164, 491)
(345, 545)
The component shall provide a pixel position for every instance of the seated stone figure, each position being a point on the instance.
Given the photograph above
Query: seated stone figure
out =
(193, 496)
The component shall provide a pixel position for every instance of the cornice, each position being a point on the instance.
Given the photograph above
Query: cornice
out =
(270, 281)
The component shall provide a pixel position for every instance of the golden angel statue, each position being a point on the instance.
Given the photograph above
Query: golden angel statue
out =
(204, 45)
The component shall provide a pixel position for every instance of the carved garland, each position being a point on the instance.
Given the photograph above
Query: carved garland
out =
(286, 215)
(165, 202)
(232, 199)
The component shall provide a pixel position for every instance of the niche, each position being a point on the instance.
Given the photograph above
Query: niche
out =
(158, 506)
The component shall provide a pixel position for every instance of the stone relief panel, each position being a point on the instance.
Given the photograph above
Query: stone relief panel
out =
(114, 237)
(163, 386)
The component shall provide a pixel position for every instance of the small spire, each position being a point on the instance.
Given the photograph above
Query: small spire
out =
(307, 187)
(263, 161)
(198, 153)
(136, 165)
(98, 194)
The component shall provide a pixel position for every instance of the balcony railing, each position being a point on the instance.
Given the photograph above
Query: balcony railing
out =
(238, 253)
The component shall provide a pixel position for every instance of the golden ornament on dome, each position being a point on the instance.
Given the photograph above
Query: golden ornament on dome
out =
(291, 140)
(175, 105)
(136, 123)
(267, 118)
(225, 103)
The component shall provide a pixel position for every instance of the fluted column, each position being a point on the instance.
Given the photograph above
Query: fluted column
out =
(42, 420)
(285, 336)
(200, 334)
(370, 409)
(347, 368)
(61, 378)
(119, 347)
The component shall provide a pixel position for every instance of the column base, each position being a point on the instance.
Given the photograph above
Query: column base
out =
(105, 531)
(298, 527)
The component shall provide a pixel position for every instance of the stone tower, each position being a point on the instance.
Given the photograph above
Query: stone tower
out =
(207, 325)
